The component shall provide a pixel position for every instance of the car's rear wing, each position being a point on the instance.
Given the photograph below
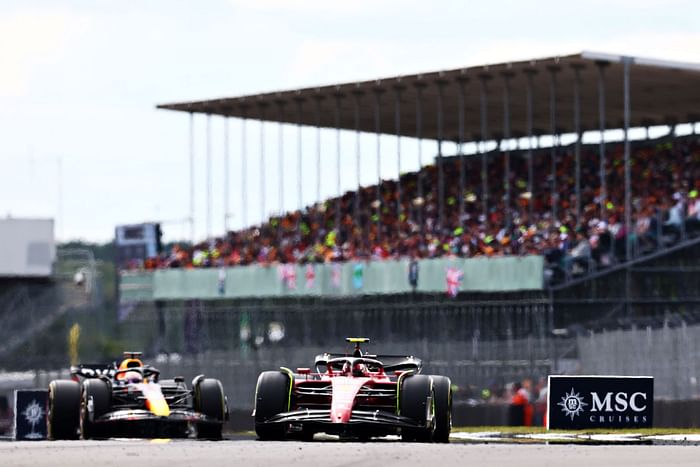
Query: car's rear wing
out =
(93, 370)
(389, 362)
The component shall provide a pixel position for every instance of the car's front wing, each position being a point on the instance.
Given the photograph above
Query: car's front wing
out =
(176, 416)
(358, 417)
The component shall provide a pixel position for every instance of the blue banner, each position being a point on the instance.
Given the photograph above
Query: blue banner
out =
(31, 409)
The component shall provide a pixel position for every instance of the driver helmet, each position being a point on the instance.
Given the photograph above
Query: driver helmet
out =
(359, 369)
(346, 368)
(129, 363)
(133, 377)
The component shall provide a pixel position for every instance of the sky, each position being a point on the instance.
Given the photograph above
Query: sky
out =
(82, 142)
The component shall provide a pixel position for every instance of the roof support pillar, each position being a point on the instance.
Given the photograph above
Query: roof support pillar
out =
(441, 171)
(300, 201)
(483, 91)
(554, 196)
(263, 206)
(419, 138)
(191, 155)
(530, 169)
(208, 175)
(378, 129)
(226, 175)
(506, 137)
(603, 197)
(300, 167)
(338, 206)
(397, 124)
(317, 201)
(577, 147)
(280, 168)
(358, 159)
(280, 159)
(244, 171)
(461, 84)
(627, 61)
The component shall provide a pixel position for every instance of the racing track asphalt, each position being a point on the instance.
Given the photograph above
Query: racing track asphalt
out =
(248, 452)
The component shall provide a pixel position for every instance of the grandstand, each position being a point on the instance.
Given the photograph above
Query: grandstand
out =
(574, 204)
(608, 229)
(664, 182)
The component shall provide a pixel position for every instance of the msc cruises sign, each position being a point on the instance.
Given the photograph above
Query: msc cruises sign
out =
(581, 402)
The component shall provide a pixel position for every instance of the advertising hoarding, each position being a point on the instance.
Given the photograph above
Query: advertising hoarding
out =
(584, 402)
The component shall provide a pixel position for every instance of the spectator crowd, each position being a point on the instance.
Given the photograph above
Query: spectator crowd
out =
(665, 178)
(525, 398)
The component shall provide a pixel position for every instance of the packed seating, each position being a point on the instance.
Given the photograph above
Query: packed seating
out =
(665, 178)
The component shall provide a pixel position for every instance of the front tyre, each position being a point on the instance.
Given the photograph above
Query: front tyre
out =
(416, 401)
(96, 398)
(64, 409)
(209, 400)
(442, 391)
(272, 397)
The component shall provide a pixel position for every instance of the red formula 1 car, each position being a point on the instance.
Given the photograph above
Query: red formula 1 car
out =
(357, 395)
(130, 399)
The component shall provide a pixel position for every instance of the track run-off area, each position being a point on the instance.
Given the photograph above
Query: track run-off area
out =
(249, 452)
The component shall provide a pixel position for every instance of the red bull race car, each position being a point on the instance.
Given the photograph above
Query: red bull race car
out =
(354, 395)
(130, 399)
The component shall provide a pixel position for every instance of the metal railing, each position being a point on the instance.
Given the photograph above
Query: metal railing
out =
(670, 354)
(658, 239)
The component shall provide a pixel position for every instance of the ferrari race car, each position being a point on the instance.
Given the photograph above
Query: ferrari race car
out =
(357, 395)
(130, 399)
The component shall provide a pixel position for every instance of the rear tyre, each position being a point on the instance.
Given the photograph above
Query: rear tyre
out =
(415, 392)
(272, 396)
(64, 409)
(442, 391)
(98, 394)
(209, 400)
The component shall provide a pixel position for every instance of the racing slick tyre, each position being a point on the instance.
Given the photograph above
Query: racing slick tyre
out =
(442, 391)
(414, 394)
(96, 398)
(272, 396)
(209, 400)
(64, 409)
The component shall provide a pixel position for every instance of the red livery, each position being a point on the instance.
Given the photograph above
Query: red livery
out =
(357, 395)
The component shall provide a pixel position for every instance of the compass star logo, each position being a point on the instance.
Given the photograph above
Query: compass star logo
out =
(572, 404)
(33, 414)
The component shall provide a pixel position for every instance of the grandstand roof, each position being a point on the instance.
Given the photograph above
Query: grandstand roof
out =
(662, 92)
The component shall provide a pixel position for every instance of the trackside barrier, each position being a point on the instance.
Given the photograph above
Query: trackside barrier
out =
(480, 415)
(677, 414)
